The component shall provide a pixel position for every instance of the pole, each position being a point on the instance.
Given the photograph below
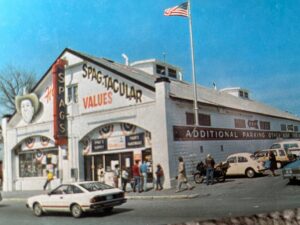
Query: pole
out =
(193, 65)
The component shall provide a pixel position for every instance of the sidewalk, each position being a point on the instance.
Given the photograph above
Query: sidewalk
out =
(150, 194)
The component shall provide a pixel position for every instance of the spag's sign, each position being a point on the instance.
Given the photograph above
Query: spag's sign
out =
(59, 104)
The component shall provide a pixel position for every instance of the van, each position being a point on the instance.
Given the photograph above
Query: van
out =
(285, 151)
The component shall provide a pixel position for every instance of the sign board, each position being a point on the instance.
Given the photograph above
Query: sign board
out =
(99, 145)
(135, 141)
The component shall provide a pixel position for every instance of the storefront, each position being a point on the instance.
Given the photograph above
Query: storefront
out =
(86, 113)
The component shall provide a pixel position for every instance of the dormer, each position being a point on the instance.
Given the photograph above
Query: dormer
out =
(159, 68)
(237, 91)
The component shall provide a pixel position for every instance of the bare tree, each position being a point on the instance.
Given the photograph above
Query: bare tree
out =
(13, 81)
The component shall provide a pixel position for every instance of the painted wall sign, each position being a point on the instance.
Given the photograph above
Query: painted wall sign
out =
(98, 100)
(117, 142)
(99, 145)
(184, 133)
(59, 104)
(122, 88)
(135, 141)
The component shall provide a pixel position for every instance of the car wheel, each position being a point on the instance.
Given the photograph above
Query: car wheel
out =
(250, 173)
(76, 211)
(108, 210)
(198, 178)
(37, 209)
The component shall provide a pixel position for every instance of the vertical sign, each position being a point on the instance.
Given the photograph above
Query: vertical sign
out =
(59, 104)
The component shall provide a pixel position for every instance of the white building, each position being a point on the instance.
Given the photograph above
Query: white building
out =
(94, 111)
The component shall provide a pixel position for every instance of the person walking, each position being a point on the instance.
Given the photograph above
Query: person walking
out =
(181, 178)
(159, 174)
(210, 165)
(49, 179)
(136, 176)
(124, 178)
(116, 176)
(144, 170)
(100, 173)
(273, 162)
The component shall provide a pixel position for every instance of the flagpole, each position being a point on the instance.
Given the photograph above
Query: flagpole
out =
(193, 65)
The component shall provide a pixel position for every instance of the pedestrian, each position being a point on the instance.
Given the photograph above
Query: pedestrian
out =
(210, 164)
(181, 178)
(116, 176)
(100, 173)
(273, 162)
(136, 176)
(159, 174)
(144, 170)
(49, 179)
(124, 178)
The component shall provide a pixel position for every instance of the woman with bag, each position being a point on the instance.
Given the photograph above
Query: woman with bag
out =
(159, 174)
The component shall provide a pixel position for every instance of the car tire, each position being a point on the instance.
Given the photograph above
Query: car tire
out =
(37, 209)
(250, 173)
(198, 178)
(108, 210)
(76, 211)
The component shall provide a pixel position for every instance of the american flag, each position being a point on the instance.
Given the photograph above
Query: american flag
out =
(179, 10)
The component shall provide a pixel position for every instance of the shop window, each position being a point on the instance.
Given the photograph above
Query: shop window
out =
(172, 73)
(283, 127)
(160, 70)
(264, 125)
(204, 119)
(35, 163)
(73, 94)
(239, 123)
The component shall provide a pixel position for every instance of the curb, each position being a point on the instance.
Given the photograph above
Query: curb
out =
(128, 197)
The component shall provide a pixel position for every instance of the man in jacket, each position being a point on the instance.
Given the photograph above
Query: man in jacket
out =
(210, 165)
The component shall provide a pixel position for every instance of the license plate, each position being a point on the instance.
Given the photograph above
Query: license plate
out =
(109, 197)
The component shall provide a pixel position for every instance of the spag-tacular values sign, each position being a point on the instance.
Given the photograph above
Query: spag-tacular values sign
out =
(185, 133)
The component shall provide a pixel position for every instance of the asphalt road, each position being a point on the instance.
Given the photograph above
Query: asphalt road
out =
(237, 196)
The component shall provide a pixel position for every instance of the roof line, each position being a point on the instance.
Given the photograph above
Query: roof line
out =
(110, 69)
(239, 110)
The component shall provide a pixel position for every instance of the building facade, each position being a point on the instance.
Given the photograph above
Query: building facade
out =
(87, 111)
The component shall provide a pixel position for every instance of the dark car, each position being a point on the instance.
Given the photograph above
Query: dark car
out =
(292, 171)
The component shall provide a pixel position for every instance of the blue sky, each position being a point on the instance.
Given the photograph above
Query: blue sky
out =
(254, 44)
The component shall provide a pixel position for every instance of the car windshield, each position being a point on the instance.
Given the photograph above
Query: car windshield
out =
(95, 186)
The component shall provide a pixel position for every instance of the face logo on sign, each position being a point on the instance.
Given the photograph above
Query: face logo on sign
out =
(27, 105)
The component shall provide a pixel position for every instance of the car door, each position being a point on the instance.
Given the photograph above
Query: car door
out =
(58, 200)
(232, 165)
(242, 164)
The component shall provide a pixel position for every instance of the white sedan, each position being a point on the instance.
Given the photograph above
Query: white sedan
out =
(244, 164)
(77, 198)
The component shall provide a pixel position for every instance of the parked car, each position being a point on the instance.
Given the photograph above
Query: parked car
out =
(77, 198)
(283, 156)
(244, 164)
(0, 197)
(292, 171)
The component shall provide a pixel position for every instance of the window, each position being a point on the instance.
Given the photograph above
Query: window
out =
(172, 73)
(264, 125)
(246, 94)
(241, 94)
(290, 128)
(160, 70)
(242, 159)
(275, 146)
(239, 123)
(204, 119)
(231, 160)
(283, 127)
(296, 128)
(281, 153)
(73, 93)
(35, 163)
